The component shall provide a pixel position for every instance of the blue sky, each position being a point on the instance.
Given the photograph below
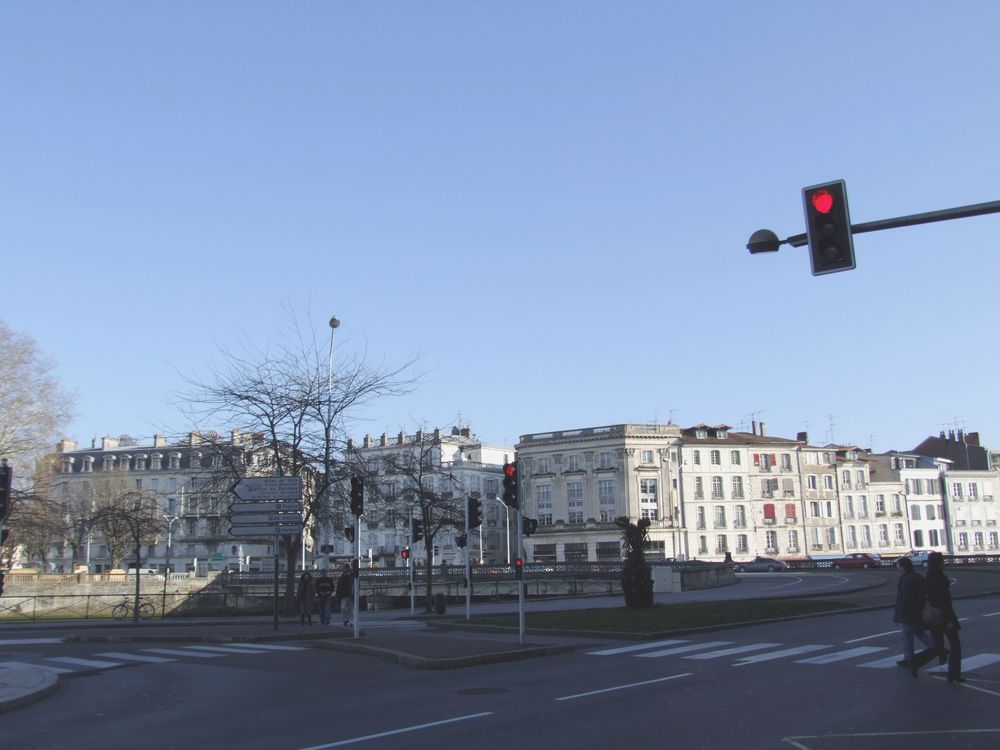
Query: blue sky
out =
(549, 201)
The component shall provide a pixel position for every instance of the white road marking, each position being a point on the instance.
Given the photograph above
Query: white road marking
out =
(971, 662)
(684, 649)
(886, 663)
(793, 741)
(794, 651)
(842, 655)
(228, 649)
(877, 635)
(135, 657)
(266, 646)
(29, 641)
(90, 663)
(735, 650)
(179, 652)
(623, 687)
(391, 732)
(639, 647)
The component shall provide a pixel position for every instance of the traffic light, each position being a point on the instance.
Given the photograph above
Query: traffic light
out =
(349, 533)
(529, 526)
(417, 531)
(475, 512)
(355, 567)
(405, 553)
(510, 498)
(6, 480)
(357, 497)
(519, 569)
(461, 540)
(1, 582)
(828, 226)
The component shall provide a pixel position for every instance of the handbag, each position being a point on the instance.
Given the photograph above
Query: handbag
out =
(932, 617)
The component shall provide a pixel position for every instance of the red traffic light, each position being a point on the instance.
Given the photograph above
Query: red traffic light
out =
(406, 553)
(510, 470)
(822, 201)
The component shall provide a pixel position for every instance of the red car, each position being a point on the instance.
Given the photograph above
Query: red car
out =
(857, 560)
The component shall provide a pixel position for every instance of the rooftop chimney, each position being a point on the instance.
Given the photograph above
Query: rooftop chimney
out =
(762, 433)
(159, 441)
(802, 437)
(400, 438)
(753, 426)
(383, 439)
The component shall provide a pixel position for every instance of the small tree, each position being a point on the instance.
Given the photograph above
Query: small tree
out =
(637, 576)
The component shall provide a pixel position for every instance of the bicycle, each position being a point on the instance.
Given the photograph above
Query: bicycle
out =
(123, 610)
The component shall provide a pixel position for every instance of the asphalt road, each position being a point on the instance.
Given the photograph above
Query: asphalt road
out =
(825, 683)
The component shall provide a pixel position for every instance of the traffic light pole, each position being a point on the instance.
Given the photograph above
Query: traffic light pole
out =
(468, 568)
(409, 563)
(520, 582)
(357, 580)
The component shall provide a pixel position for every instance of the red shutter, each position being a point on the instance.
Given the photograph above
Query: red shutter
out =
(756, 459)
(774, 460)
(769, 510)
(789, 510)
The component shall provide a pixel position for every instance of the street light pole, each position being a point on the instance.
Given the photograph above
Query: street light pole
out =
(171, 520)
(334, 325)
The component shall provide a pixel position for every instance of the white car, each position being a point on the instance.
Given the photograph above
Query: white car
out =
(918, 557)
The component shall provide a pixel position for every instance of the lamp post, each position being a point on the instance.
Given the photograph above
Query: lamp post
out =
(507, 524)
(334, 325)
(171, 520)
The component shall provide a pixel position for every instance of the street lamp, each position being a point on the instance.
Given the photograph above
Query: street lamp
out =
(334, 325)
(171, 520)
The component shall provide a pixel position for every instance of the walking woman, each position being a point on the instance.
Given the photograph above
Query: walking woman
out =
(939, 596)
(306, 596)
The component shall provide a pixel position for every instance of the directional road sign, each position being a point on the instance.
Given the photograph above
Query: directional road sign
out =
(268, 488)
(267, 506)
(252, 518)
(263, 530)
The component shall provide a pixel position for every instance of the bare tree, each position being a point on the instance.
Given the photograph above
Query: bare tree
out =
(421, 485)
(285, 397)
(129, 520)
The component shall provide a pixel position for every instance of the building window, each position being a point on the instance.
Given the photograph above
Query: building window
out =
(740, 520)
(831, 537)
(720, 516)
(772, 541)
(717, 493)
(696, 458)
(786, 462)
(703, 545)
(574, 491)
(930, 485)
(741, 544)
(880, 503)
(852, 537)
(604, 460)
(827, 482)
(790, 514)
(973, 490)
(915, 512)
(769, 513)
(647, 457)
(701, 517)
(956, 489)
(846, 478)
(648, 487)
(572, 463)
(793, 540)
(543, 466)
(811, 481)
(576, 511)
(715, 458)
(721, 545)
(699, 488)
(734, 458)
(737, 488)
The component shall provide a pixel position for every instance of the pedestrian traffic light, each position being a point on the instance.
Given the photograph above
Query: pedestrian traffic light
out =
(6, 481)
(461, 540)
(510, 498)
(475, 512)
(406, 553)
(828, 227)
(417, 531)
(349, 533)
(519, 569)
(529, 526)
(355, 567)
(357, 497)
(1, 582)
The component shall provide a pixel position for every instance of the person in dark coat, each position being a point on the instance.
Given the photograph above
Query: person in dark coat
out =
(345, 594)
(911, 593)
(306, 597)
(324, 596)
(939, 596)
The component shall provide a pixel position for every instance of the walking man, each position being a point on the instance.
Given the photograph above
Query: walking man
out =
(324, 595)
(345, 594)
(911, 593)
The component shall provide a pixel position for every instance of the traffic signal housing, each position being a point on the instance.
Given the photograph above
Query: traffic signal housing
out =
(475, 512)
(349, 533)
(357, 497)
(828, 227)
(510, 498)
(461, 540)
(519, 569)
(416, 531)
(529, 526)
(6, 482)
(405, 553)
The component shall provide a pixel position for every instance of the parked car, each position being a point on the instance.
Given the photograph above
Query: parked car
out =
(857, 560)
(761, 564)
(918, 557)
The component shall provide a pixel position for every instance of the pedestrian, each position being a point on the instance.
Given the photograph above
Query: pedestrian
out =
(306, 597)
(324, 596)
(345, 594)
(911, 593)
(939, 597)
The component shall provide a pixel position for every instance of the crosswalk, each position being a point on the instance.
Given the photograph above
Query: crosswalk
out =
(747, 654)
(64, 665)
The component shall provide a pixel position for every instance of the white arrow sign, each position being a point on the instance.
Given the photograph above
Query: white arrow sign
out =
(260, 531)
(266, 506)
(251, 518)
(269, 488)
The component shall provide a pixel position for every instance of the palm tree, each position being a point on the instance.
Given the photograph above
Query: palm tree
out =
(637, 577)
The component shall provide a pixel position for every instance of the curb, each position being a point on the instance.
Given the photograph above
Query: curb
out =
(453, 662)
(25, 686)
(211, 638)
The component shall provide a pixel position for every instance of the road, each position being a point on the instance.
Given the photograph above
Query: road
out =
(823, 683)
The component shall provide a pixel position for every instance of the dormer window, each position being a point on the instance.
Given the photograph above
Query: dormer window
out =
(701, 434)
(67, 465)
(722, 434)
(123, 461)
(156, 461)
(109, 463)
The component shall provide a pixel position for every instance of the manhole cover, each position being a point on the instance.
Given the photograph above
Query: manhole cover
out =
(482, 691)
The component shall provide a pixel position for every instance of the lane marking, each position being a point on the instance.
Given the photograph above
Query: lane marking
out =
(391, 732)
(29, 641)
(135, 657)
(640, 647)
(228, 649)
(43, 667)
(795, 651)
(877, 635)
(624, 687)
(842, 655)
(971, 662)
(886, 663)
(91, 663)
(178, 652)
(266, 646)
(735, 650)
(684, 649)
(793, 741)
